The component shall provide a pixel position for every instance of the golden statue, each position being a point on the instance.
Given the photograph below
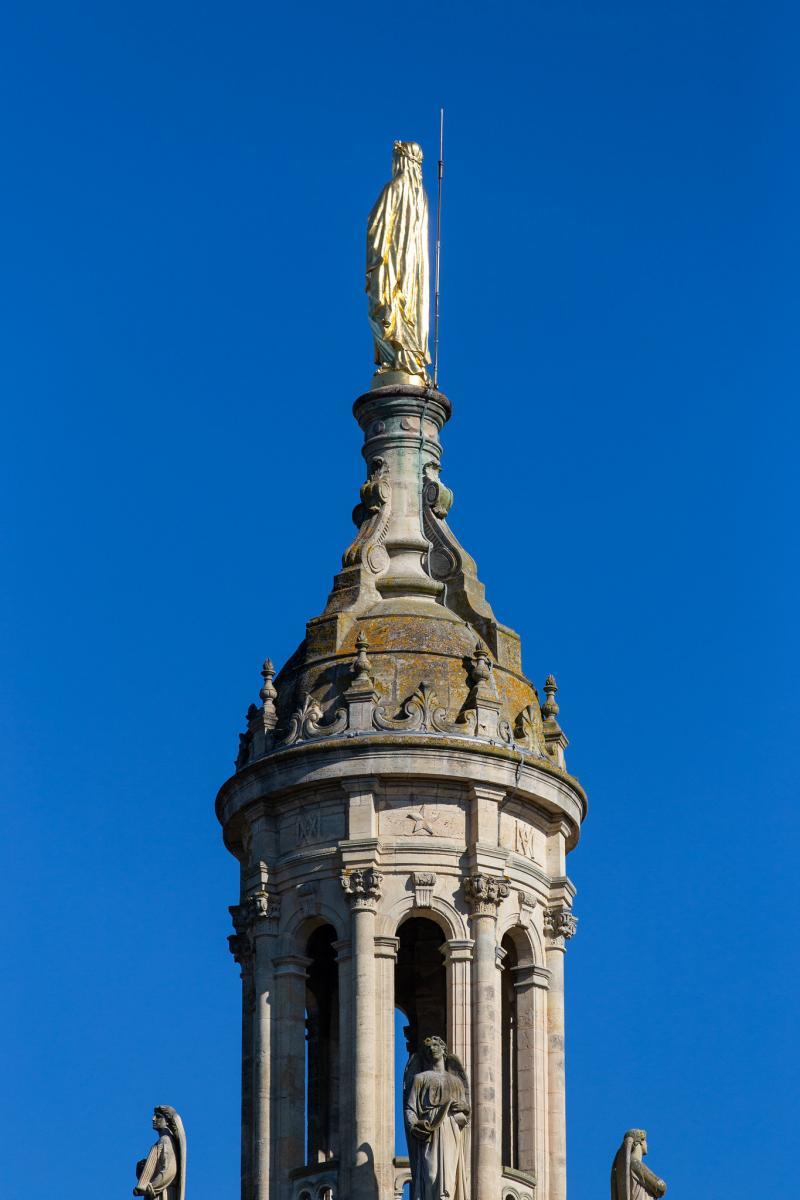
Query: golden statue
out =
(397, 273)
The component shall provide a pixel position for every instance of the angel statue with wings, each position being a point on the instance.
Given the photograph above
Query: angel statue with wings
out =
(436, 1109)
(162, 1175)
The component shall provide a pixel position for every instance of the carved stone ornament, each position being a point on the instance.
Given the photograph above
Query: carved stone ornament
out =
(484, 893)
(308, 897)
(423, 883)
(268, 695)
(529, 731)
(362, 887)
(559, 924)
(372, 518)
(422, 713)
(527, 906)
(306, 723)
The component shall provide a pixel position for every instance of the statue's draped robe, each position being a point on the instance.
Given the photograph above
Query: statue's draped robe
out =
(631, 1179)
(160, 1169)
(439, 1165)
(397, 272)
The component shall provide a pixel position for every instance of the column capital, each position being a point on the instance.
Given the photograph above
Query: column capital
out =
(386, 947)
(484, 791)
(530, 975)
(457, 950)
(484, 893)
(292, 964)
(559, 926)
(362, 887)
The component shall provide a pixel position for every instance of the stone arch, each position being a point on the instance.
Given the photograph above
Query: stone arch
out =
(300, 924)
(445, 914)
(527, 941)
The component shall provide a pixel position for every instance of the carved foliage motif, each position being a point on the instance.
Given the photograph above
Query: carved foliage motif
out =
(422, 712)
(306, 722)
(362, 887)
(559, 924)
(372, 518)
(484, 893)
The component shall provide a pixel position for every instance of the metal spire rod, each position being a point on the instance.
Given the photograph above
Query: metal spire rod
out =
(438, 252)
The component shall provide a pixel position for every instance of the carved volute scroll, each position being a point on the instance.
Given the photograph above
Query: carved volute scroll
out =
(372, 518)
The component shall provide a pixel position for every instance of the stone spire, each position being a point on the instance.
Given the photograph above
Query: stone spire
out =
(401, 812)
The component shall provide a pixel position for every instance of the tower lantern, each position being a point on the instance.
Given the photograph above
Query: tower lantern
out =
(401, 812)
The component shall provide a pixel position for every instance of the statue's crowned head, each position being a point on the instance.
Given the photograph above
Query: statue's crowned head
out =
(638, 1137)
(407, 159)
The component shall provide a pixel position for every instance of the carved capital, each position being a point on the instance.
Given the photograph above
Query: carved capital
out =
(362, 887)
(423, 883)
(559, 925)
(241, 948)
(484, 893)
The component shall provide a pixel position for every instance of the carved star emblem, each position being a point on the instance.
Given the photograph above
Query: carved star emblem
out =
(421, 822)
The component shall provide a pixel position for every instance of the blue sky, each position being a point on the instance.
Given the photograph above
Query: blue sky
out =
(183, 333)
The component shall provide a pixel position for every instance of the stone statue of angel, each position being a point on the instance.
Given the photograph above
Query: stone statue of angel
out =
(436, 1111)
(398, 273)
(631, 1179)
(162, 1175)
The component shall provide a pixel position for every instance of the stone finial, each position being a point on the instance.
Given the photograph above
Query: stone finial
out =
(559, 924)
(555, 741)
(268, 695)
(362, 886)
(361, 696)
(550, 707)
(484, 893)
(362, 670)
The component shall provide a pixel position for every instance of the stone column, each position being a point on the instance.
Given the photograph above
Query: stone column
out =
(457, 960)
(288, 1137)
(256, 924)
(484, 893)
(344, 962)
(559, 925)
(362, 888)
(386, 957)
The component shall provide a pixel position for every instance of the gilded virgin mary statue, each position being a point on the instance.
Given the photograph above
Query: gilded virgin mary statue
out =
(437, 1108)
(398, 273)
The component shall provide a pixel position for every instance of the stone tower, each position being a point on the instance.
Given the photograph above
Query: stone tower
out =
(401, 811)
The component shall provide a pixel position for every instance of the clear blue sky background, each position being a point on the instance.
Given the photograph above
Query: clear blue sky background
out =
(183, 333)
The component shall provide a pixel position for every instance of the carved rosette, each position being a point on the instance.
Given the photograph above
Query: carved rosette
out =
(559, 925)
(423, 883)
(362, 886)
(484, 893)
